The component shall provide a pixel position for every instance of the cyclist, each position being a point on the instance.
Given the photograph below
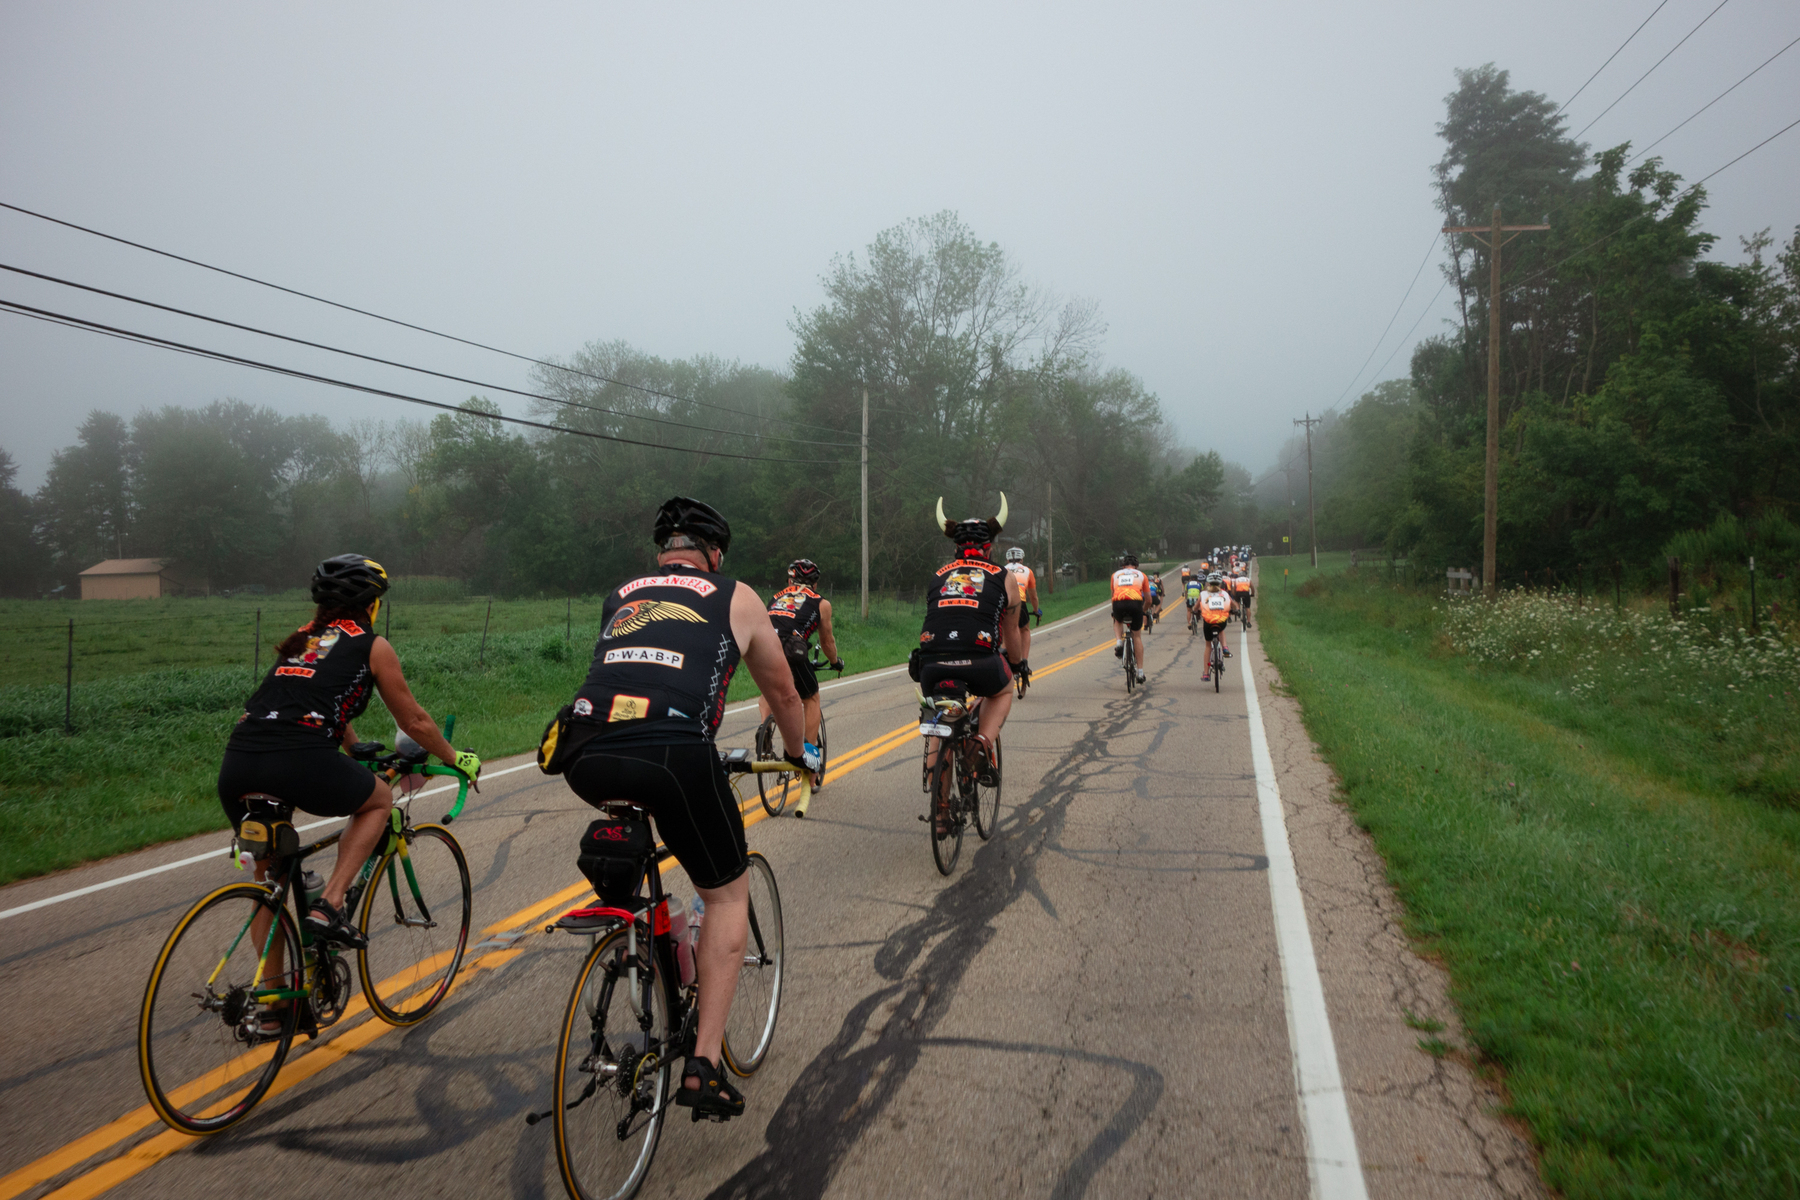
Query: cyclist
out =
(1216, 607)
(1243, 592)
(1129, 589)
(642, 730)
(797, 612)
(1154, 613)
(969, 633)
(1028, 595)
(1190, 588)
(287, 741)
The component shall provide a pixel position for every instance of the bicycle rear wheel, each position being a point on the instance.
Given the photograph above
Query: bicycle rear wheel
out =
(1130, 669)
(772, 786)
(750, 1027)
(204, 1059)
(945, 846)
(415, 914)
(614, 1065)
(1218, 664)
(987, 799)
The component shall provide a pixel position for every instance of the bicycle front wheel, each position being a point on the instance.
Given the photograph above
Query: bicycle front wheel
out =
(614, 1064)
(750, 1027)
(946, 846)
(771, 786)
(987, 799)
(202, 1050)
(415, 914)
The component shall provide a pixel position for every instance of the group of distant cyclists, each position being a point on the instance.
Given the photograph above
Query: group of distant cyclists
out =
(1221, 588)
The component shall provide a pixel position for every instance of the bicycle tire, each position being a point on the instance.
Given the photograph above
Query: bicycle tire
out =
(750, 1026)
(947, 846)
(187, 1052)
(602, 1032)
(771, 786)
(1130, 668)
(1218, 673)
(987, 799)
(408, 967)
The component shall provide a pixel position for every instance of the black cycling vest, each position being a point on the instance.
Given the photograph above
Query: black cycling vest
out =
(664, 658)
(306, 700)
(963, 604)
(794, 612)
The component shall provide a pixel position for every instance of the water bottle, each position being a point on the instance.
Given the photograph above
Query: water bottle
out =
(314, 883)
(696, 915)
(678, 929)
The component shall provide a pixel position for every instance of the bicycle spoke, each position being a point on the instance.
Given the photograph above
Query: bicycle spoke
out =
(418, 932)
(750, 1027)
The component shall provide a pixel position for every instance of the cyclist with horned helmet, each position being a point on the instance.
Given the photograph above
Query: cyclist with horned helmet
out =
(641, 730)
(969, 633)
(797, 612)
(1028, 604)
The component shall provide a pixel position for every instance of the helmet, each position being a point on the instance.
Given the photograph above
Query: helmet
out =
(349, 581)
(973, 531)
(699, 521)
(1016, 554)
(804, 570)
(1215, 579)
(1128, 558)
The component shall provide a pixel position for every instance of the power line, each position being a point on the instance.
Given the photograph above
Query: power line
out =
(1734, 87)
(194, 262)
(388, 362)
(1610, 57)
(1390, 324)
(1415, 325)
(1659, 62)
(220, 356)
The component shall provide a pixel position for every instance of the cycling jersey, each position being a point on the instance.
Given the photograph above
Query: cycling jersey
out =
(963, 607)
(1129, 583)
(307, 699)
(1241, 585)
(664, 659)
(794, 612)
(1215, 607)
(1193, 590)
(1024, 574)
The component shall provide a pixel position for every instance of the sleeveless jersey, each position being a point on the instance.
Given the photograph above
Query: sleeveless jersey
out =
(1129, 583)
(794, 612)
(1215, 607)
(306, 700)
(664, 658)
(1024, 575)
(963, 604)
(1241, 585)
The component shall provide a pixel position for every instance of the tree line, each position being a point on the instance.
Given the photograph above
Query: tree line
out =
(977, 382)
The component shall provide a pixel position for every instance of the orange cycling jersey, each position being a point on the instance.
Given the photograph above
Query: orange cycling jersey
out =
(1129, 584)
(1241, 584)
(1024, 575)
(1215, 607)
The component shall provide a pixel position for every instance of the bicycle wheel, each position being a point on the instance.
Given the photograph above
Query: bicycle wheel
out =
(772, 786)
(987, 799)
(1130, 669)
(946, 846)
(750, 1027)
(415, 914)
(200, 1031)
(614, 1064)
(824, 761)
(1218, 671)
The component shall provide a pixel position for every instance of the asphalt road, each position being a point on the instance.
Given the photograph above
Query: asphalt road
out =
(1091, 1005)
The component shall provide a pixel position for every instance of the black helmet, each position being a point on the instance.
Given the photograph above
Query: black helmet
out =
(698, 520)
(804, 571)
(349, 581)
(1129, 558)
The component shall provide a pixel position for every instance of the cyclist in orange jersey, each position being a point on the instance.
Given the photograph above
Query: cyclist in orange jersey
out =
(1216, 609)
(1028, 603)
(1130, 592)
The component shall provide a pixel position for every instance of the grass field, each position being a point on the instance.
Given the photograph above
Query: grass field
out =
(1599, 838)
(140, 766)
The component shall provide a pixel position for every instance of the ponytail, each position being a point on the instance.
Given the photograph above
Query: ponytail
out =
(325, 614)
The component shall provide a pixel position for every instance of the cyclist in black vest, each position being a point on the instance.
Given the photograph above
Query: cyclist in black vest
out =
(286, 743)
(642, 731)
(797, 612)
(966, 634)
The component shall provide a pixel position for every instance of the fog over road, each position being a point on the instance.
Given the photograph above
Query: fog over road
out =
(1091, 1005)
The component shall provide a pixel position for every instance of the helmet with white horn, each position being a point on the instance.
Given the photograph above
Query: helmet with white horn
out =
(974, 532)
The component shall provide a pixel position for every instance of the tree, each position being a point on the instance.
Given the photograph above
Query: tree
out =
(86, 503)
(24, 559)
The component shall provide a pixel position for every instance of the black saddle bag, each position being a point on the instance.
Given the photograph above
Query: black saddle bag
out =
(614, 854)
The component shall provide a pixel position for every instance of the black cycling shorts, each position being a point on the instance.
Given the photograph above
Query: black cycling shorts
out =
(1129, 611)
(986, 674)
(806, 680)
(1024, 617)
(316, 780)
(684, 788)
(1212, 631)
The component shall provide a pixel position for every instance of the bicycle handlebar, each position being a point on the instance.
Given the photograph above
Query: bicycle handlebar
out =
(377, 757)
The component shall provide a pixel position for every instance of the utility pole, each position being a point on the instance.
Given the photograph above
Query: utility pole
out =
(1049, 538)
(865, 506)
(1491, 518)
(1287, 473)
(1312, 524)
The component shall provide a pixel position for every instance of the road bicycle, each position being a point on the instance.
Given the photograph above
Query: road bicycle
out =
(632, 1016)
(241, 975)
(775, 788)
(1216, 656)
(1243, 613)
(952, 779)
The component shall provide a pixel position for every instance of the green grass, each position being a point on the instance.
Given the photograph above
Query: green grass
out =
(1616, 909)
(141, 764)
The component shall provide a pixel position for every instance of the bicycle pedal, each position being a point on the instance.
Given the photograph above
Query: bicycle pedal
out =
(716, 1118)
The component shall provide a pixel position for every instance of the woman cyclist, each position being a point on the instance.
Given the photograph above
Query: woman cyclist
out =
(287, 742)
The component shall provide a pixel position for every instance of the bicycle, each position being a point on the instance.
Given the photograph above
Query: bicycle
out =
(1217, 648)
(631, 1016)
(953, 780)
(775, 792)
(225, 999)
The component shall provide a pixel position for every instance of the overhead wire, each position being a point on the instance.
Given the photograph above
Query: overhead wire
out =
(1734, 87)
(388, 362)
(1390, 323)
(194, 262)
(1610, 57)
(220, 356)
(1659, 62)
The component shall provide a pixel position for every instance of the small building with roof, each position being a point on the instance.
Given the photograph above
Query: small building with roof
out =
(137, 579)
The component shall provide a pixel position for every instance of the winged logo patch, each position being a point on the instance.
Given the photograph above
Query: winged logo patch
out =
(634, 616)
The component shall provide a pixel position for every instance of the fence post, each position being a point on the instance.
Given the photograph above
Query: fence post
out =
(1618, 596)
(481, 658)
(1674, 586)
(256, 659)
(69, 685)
(1753, 593)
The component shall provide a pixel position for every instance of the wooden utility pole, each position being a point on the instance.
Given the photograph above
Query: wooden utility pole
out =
(1049, 539)
(1491, 518)
(865, 506)
(1312, 524)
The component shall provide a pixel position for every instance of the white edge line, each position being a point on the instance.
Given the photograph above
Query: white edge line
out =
(91, 888)
(1332, 1161)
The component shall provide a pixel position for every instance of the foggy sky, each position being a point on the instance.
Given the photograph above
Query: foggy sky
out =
(1244, 189)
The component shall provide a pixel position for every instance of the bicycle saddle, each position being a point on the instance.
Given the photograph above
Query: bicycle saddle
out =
(266, 805)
